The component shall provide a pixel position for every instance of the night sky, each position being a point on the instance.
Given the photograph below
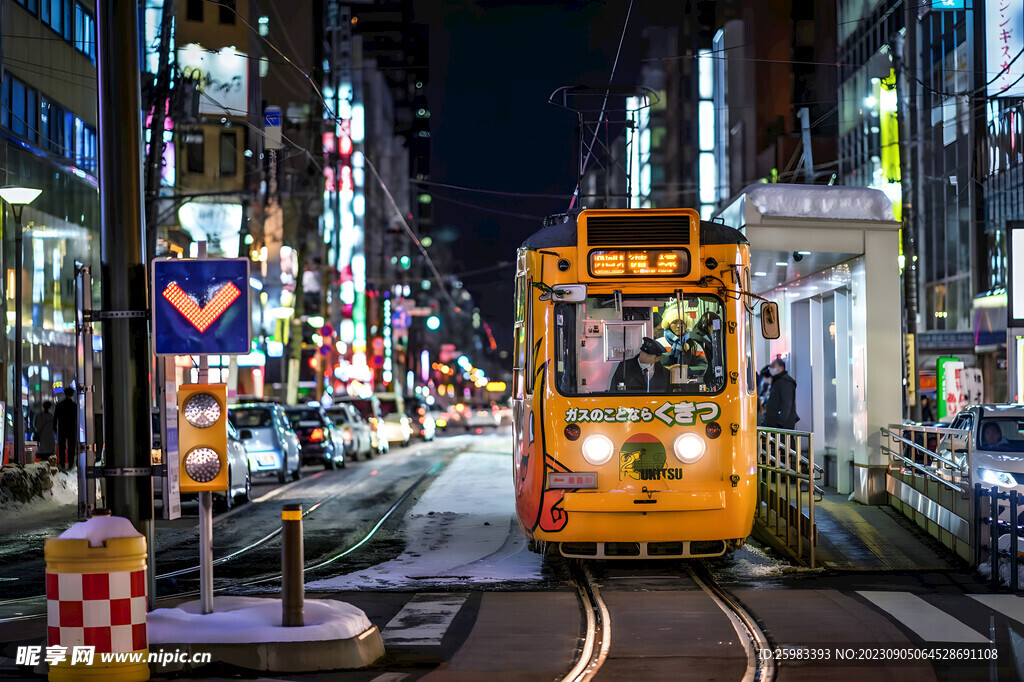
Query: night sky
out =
(492, 67)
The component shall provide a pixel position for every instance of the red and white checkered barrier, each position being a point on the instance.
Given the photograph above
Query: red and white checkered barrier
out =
(105, 610)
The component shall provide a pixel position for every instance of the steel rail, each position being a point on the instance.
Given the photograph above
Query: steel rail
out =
(598, 626)
(759, 668)
(276, 576)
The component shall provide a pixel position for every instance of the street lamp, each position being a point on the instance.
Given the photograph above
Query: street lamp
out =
(18, 198)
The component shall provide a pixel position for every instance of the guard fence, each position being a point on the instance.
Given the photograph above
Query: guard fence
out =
(787, 490)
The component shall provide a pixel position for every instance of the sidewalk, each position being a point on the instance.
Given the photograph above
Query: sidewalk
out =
(859, 537)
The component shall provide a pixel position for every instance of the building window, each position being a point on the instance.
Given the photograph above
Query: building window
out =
(227, 12)
(228, 154)
(194, 12)
(85, 32)
(195, 149)
(30, 5)
(57, 15)
(5, 103)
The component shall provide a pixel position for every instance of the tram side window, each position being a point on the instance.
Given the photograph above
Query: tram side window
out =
(597, 342)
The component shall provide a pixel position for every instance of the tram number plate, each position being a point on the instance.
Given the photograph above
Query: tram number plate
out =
(572, 480)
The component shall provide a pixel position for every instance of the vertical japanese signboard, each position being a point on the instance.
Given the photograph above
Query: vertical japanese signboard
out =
(1004, 40)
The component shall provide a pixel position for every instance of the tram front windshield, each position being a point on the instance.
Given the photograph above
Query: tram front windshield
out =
(640, 344)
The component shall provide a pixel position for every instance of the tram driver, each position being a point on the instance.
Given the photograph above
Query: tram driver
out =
(642, 373)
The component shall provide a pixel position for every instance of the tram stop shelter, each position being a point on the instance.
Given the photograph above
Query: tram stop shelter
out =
(830, 257)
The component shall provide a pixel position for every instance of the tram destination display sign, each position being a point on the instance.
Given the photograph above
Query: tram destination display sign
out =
(201, 306)
(639, 263)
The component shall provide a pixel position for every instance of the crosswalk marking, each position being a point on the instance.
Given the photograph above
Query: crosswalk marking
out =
(929, 622)
(1009, 605)
(424, 620)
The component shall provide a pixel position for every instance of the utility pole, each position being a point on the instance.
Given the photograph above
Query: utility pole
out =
(908, 214)
(126, 358)
(154, 162)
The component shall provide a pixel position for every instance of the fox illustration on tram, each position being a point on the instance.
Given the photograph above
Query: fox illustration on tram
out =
(635, 385)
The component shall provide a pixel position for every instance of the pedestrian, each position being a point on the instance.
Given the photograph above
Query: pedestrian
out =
(927, 413)
(780, 409)
(66, 416)
(44, 432)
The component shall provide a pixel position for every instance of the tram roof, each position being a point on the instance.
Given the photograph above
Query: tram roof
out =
(561, 230)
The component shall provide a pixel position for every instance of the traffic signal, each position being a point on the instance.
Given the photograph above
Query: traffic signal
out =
(202, 438)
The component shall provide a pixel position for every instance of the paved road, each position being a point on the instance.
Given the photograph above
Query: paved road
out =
(457, 596)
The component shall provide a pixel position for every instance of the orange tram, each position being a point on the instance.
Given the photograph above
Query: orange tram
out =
(635, 385)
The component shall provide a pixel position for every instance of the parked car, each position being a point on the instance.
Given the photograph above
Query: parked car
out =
(395, 424)
(423, 425)
(477, 416)
(320, 442)
(239, 474)
(997, 443)
(269, 440)
(369, 410)
(439, 416)
(355, 432)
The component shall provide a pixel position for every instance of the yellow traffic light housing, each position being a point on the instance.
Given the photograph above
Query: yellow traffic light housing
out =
(202, 438)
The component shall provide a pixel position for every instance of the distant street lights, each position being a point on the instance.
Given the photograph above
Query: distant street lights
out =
(18, 198)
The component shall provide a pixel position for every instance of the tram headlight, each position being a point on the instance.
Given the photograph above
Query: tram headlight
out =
(597, 448)
(689, 448)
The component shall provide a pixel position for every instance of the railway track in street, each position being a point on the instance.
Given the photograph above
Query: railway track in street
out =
(596, 640)
(39, 601)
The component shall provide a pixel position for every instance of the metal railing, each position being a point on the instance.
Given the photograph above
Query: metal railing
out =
(997, 527)
(787, 488)
(929, 481)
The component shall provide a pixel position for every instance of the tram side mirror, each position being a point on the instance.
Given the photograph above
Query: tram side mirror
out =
(569, 293)
(770, 320)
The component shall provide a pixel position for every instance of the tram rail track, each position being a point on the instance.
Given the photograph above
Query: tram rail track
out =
(314, 565)
(596, 640)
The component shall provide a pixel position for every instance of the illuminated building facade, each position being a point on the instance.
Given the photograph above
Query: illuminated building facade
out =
(48, 140)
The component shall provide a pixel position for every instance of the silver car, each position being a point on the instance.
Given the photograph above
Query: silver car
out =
(269, 440)
(997, 444)
(239, 476)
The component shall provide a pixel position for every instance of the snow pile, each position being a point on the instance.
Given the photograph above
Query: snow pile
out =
(237, 620)
(985, 569)
(819, 201)
(99, 529)
(462, 530)
(34, 487)
(751, 561)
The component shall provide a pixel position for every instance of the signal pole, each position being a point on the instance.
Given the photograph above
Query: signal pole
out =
(126, 358)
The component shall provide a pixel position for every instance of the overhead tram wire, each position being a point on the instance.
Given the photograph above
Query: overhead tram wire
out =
(412, 235)
(496, 192)
(604, 103)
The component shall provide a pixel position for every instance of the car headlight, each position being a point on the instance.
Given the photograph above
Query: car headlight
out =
(597, 448)
(689, 448)
(1000, 478)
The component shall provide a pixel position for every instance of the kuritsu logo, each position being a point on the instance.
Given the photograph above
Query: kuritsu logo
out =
(642, 458)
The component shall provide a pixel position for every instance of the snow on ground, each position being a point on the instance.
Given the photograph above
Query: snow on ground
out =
(26, 492)
(462, 530)
(253, 619)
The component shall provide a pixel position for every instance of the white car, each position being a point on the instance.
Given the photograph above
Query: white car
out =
(396, 428)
